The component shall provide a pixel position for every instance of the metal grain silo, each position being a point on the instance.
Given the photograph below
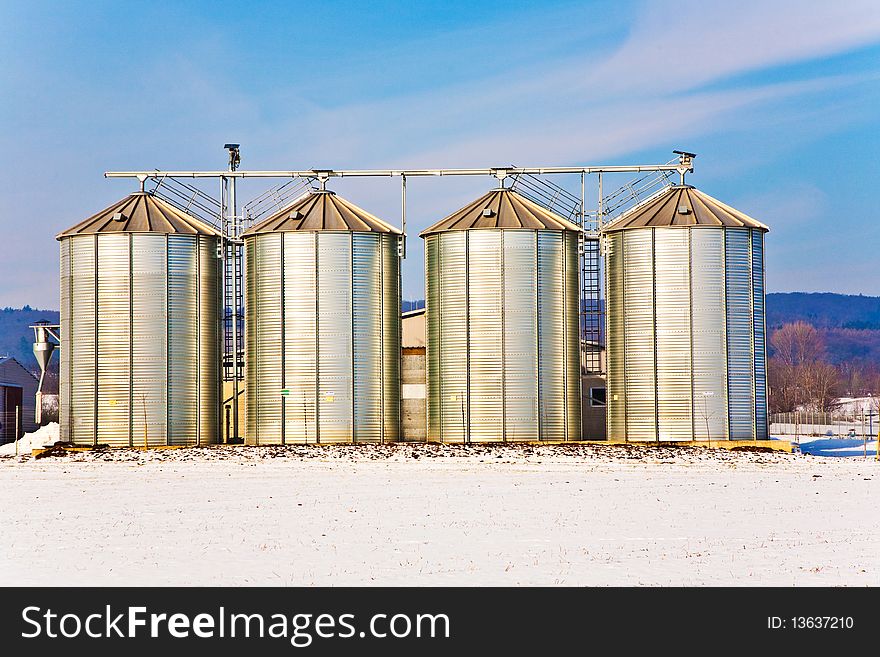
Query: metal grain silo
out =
(140, 312)
(502, 323)
(323, 325)
(685, 309)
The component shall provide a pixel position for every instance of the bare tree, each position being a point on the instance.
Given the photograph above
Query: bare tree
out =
(821, 382)
(798, 343)
(854, 379)
(873, 385)
(800, 377)
(785, 395)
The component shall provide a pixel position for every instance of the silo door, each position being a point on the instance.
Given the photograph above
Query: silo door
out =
(13, 411)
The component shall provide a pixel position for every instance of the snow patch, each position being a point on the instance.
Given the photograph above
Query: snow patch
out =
(848, 447)
(43, 437)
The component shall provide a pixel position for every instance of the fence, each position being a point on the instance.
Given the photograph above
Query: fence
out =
(10, 420)
(862, 424)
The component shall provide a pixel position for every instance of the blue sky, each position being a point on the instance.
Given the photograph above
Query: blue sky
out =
(781, 101)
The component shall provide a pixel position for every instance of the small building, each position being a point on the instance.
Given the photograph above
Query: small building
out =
(412, 325)
(18, 390)
(413, 402)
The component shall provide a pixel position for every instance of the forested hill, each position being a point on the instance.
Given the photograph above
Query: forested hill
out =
(824, 310)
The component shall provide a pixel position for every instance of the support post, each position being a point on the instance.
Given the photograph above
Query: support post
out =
(403, 216)
(231, 225)
(226, 424)
(236, 295)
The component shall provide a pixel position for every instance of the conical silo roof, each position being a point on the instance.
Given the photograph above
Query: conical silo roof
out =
(502, 208)
(140, 212)
(322, 210)
(682, 205)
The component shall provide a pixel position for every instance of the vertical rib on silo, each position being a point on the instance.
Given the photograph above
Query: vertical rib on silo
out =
(520, 336)
(759, 339)
(208, 341)
(82, 334)
(709, 333)
(673, 334)
(740, 328)
(433, 348)
(250, 321)
(265, 339)
(83, 329)
(615, 336)
(551, 330)
(64, 352)
(150, 298)
(639, 362)
(367, 337)
(572, 338)
(300, 337)
(453, 337)
(334, 337)
(183, 336)
(485, 317)
(113, 344)
(390, 325)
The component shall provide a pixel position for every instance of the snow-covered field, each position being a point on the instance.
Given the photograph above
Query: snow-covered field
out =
(439, 515)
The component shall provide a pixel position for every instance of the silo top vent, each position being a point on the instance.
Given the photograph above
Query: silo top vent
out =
(682, 205)
(321, 210)
(502, 208)
(140, 213)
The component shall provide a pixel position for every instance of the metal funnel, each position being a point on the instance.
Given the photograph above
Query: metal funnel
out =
(43, 348)
(43, 354)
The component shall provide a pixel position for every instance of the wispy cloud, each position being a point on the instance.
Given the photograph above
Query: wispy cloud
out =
(680, 47)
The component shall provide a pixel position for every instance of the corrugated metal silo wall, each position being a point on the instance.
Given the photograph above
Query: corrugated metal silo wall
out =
(520, 335)
(208, 327)
(323, 325)
(502, 338)
(760, 336)
(709, 334)
(615, 337)
(391, 333)
(140, 343)
(433, 301)
(572, 337)
(686, 352)
(639, 365)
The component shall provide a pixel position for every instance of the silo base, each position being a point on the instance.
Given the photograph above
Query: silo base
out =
(775, 445)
